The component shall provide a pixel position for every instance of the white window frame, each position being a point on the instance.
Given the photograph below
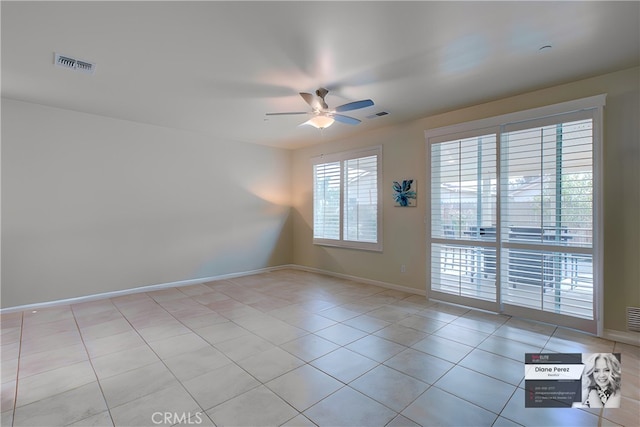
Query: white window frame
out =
(596, 103)
(342, 157)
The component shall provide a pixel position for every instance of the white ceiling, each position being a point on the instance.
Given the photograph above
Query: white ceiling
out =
(218, 67)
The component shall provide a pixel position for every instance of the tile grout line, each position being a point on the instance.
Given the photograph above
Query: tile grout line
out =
(15, 396)
(104, 398)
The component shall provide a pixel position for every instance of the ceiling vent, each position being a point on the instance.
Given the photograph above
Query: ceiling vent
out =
(70, 63)
(380, 114)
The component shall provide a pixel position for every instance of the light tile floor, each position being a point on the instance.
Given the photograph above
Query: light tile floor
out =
(285, 348)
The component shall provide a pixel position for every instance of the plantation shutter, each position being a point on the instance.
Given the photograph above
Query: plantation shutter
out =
(463, 217)
(346, 199)
(361, 199)
(326, 201)
(547, 214)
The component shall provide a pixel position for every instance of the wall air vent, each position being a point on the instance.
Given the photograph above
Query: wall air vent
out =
(68, 62)
(633, 318)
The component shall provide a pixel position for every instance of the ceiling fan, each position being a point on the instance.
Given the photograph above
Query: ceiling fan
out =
(323, 117)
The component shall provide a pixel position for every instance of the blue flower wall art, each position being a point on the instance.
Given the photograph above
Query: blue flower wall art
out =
(404, 193)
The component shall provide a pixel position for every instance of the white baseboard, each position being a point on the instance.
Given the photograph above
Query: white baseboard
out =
(627, 337)
(360, 279)
(113, 294)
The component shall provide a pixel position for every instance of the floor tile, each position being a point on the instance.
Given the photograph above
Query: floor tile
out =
(47, 360)
(299, 421)
(169, 347)
(376, 348)
(402, 421)
(493, 365)
(626, 415)
(203, 320)
(310, 322)
(195, 290)
(167, 330)
(401, 334)
(461, 334)
(281, 334)
(347, 407)
(87, 317)
(434, 313)
(105, 329)
(521, 335)
(220, 332)
(123, 361)
(8, 396)
(309, 347)
(344, 365)
(367, 323)
(425, 367)
(512, 349)
(63, 408)
(47, 315)
(543, 417)
(339, 314)
(270, 364)
(113, 343)
(389, 314)
(421, 323)
(390, 387)
(50, 342)
(479, 389)
(147, 410)
(341, 334)
(257, 321)
(55, 381)
(45, 329)
(480, 324)
(9, 370)
(436, 407)
(134, 384)
(443, 348)
(343, 352)
(220, 385)
(259, 406)
(243, 347)
(186, 366)
(304, 386)
(557, 344)
(101, 419)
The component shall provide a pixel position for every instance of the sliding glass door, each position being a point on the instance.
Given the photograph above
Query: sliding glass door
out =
(512, 218)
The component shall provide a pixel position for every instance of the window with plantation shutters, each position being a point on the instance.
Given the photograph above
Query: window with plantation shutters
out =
(514, 224)
(346, 205)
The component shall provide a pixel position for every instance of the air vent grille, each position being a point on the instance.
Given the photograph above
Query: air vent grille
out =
(68, 62)
(633, 318)
(380, 114)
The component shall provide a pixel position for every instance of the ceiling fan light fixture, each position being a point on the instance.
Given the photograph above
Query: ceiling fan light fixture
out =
(320, 122)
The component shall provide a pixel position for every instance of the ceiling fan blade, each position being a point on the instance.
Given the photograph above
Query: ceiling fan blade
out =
(311, 100)
(345, 119)
(285, 114)
(354, 105)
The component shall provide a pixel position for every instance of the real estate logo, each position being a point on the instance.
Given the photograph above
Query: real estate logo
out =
(172, 418)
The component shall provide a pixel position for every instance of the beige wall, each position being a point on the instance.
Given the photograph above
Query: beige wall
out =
(404, 157)
(92, 205)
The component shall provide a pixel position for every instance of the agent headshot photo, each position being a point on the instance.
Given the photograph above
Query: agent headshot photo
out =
(601, 380)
